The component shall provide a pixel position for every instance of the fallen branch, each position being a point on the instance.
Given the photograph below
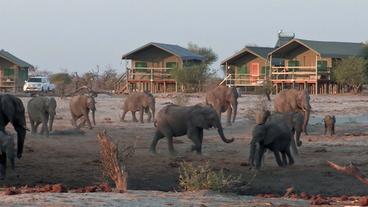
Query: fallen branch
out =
(351, 169)
(110, 162)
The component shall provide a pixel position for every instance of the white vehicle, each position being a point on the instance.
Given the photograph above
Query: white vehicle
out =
(38, 84)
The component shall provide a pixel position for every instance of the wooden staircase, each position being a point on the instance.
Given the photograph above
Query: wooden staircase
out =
(121, 86)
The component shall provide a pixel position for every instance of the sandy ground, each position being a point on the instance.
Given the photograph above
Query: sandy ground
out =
(73, 160)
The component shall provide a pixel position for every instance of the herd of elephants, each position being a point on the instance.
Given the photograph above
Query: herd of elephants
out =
(278, 131)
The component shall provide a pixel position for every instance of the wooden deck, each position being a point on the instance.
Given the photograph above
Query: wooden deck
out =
(146, 79)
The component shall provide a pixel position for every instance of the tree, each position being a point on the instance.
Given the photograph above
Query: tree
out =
(193, 74)
(351, 72)
(61, 80)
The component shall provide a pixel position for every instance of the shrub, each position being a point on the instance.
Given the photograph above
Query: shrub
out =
(202, 177)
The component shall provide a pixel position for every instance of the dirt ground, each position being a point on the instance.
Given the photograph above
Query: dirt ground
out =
(73, 160)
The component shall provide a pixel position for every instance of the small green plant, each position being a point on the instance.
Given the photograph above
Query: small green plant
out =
(202, 177)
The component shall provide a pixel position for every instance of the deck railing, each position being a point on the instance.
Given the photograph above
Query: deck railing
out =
(245, 79)
(152, 74)
(298, 73)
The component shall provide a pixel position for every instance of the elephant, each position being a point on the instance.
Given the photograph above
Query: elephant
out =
(139, 101)
(223, 98)
(293, 100)
(80, 105)
(295, 122)
(7, 147)
(174, 120)
(41, 109)
(329, 124)
(12, 110)
(275, 135)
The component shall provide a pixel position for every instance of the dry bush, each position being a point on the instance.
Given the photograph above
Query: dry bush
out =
(111, 167)
(181, 99)
(202, 177)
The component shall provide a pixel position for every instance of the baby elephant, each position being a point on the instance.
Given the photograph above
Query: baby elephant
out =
(275, 135)
(41, 109)
(140, 101)
(7, 151)
(329, 124)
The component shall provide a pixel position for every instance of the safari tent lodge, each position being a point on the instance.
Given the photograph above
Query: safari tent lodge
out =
(307, 64)
(149, 68)
(13, 72)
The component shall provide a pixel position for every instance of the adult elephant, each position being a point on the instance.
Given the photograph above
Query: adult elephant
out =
(139, 101)
(173, 121)
(274, 134)
(12, 110)
(223, 98)
(293, 100)
(41, 109)
(80, 106)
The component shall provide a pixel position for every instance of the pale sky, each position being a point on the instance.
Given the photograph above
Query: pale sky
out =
(77, 35)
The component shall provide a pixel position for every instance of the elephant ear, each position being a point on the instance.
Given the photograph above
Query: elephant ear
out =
(197, 118)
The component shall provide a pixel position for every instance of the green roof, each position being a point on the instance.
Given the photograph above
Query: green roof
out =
(11, 58)
(261, 52)
(324, 48)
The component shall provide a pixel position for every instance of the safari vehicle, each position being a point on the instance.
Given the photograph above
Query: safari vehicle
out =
(38, 84)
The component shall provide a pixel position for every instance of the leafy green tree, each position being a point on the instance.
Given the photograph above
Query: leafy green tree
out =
(61, 80)
(351, 72)
(194, 75)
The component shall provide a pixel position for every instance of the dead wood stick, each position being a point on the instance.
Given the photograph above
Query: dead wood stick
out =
(110, 162)
(351, 169)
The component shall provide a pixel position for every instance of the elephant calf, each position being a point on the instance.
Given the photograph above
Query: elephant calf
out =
(173, 121)
(7, 149)
(141, 101)
(80, 106)
(329, 124)
(41, 109)
(275, 135)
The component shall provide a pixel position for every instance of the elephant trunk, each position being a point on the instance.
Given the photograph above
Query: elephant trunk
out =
(51, 121)
(221, 132)
(93, 117)
(235, 110)
(306, 119)
(21, 135)
(252, 153)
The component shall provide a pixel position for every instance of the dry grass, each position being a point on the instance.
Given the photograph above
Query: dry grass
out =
(202, 177)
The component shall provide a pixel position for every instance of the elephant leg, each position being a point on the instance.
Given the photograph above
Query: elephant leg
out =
(298, 141)
(141, 110)
(333, 129)
(74, 121)
(156, 138)
(284, 159)
(149, 115)
(293, 144)
(45, 129)
(36, 126)
(171, 145)
(3, 166)
(33, 129)
(123, 116)
(325, 129)
(194, 135)
(134, 117)
(229, 112)
(259, 156)
(291, 160)
(86, 118)
(278, 159)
